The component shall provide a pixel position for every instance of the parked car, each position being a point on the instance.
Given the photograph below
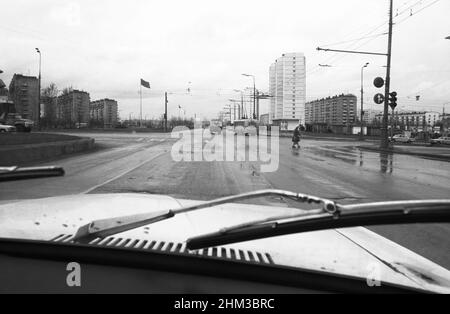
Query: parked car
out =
(7, 128)
(15, 120)
(401, 138)
(441, 140)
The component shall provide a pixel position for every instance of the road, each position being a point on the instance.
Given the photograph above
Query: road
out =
(332, 169)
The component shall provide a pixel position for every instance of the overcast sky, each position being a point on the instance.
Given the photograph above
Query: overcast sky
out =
(106, 46)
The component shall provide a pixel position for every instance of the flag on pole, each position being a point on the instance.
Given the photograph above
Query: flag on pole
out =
(145, 83)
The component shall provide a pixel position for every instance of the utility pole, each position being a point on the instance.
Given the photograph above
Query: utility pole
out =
(257, 105)
(254, 95)
(165, 113)
(242, 106)
(393, 122)
(361, 134)
(38, 119)
(384, 128)
(254, 99)
(140, 106)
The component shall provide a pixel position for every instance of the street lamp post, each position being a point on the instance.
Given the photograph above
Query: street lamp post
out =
(241, 107)
(255, 113)
(39, 92)
(361, 134)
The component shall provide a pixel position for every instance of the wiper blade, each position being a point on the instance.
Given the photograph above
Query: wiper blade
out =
(381, 213)
(20, 173)
(107, 227)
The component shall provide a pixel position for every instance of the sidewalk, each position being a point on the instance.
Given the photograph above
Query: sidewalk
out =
(438, 153)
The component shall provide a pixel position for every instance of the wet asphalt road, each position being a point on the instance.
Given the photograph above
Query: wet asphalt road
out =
(332, 169)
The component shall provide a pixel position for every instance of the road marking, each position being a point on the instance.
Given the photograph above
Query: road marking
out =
(122, 174)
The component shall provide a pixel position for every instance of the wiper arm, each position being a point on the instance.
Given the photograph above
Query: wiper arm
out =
(19, 173)
(381, 213)
(107, 227)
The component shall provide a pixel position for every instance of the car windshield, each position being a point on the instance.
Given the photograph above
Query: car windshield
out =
(123, 109)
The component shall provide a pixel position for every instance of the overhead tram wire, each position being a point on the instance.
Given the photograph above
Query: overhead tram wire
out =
(417, 12)
(352, 40)
(334, 57)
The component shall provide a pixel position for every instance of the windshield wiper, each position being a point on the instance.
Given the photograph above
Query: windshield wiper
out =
(107, 227)
(381, 213)
(19, 173)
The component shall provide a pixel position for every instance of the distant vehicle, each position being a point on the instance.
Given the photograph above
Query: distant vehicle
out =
(16, 120)
(7, 128)
(441, 140)
(246, 127)
(81, 125)
(401, 138)
(120, 125)
(436, 135)
(215, 126)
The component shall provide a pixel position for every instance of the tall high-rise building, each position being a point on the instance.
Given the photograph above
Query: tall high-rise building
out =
(24, 92)
(287, 84)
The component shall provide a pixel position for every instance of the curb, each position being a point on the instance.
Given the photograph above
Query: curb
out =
(16, 154)
(390, 151)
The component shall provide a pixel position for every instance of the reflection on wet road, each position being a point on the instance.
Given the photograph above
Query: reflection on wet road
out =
(368, 175)
(341, 171)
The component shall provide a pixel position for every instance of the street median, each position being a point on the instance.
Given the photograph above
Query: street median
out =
(19, 154)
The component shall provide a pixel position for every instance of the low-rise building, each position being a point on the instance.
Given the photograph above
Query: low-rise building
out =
(104, 111)
(414, 120)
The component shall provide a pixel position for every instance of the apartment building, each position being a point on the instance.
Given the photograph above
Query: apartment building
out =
(104, 111)
(287, 85)
(338, 110)
(73, 107)
(24, 93)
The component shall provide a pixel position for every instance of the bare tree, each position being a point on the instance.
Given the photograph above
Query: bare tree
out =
(49, 99)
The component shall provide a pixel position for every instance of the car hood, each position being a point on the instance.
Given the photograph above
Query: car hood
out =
(355, 252)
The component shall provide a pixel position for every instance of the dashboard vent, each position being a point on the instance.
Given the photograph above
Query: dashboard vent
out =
(175, 247)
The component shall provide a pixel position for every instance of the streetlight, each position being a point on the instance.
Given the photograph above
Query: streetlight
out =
(361, 134)
(241, 107)
(255, 114)
(39, 91)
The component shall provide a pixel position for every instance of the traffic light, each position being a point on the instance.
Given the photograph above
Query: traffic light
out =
(393, 100)
(378, 82)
